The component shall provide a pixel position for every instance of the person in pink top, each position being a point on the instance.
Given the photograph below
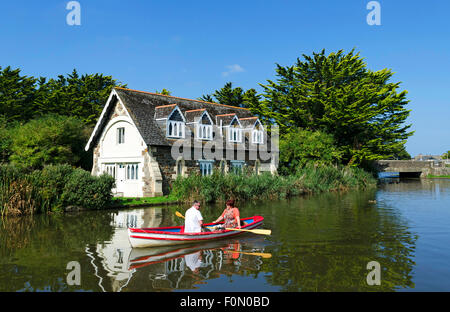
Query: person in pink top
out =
(230, 216)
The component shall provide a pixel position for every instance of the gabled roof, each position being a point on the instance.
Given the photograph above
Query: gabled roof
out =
(142, 108)
(163, 111)
(249, 122)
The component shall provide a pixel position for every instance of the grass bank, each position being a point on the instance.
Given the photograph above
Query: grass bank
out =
(124, 202)
(435, 176)
(248, 186)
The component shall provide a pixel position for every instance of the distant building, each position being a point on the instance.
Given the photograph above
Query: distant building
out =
(421, 157)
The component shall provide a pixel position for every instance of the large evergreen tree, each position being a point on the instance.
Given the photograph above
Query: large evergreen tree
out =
(232, 96)
(78, 96)
(17, 95)
(339, 95)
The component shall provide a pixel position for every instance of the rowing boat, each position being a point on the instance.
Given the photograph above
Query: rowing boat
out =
(167, 236)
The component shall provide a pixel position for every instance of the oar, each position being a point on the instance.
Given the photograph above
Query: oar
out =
(261, 254)
(179, 214)
(255, 231)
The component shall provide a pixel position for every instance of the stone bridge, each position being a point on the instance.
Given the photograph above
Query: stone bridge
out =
(413, 168)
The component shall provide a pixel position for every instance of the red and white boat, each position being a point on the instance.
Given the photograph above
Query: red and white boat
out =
(166, 236)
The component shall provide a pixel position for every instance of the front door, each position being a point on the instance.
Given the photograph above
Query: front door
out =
(120, 181)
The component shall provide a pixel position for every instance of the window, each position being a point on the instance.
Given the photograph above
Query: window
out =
(204, 132)
(234, 134)
(175, 129)
(257, 137)
(120, 135)
(175, 124)
(110, 169)
(206, 167)
(132, 171)
(236, 166)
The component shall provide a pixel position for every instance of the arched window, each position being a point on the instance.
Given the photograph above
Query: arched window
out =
(176, 124)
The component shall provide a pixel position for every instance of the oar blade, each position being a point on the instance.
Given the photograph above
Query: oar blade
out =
(255, 231)
(179, 214)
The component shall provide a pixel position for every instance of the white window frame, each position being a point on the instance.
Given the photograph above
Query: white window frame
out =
(121, 135)
(110, 169)
(235, 133)
(206, 167)
(204, 132)
(257, 136)
(176, 125)
(132, 172)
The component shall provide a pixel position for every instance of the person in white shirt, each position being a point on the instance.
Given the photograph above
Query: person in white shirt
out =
(193, 219)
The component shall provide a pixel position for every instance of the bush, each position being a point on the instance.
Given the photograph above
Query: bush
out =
(84, 190)
(51, 189)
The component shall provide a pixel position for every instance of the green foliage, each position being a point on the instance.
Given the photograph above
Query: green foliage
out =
(338, 95)
(17, 95)
(232, 96)
(23, 98)
(82, 97)
(48, 140)
(446, 155)
(5, 139)
(163, 92)
(247, 186)
(301, 147)
(51, 189)
(84, 190)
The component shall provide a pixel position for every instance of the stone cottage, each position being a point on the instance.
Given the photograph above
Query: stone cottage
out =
(146, 140)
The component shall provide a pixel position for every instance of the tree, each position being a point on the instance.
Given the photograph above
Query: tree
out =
(300, 147)
(338, 95)
(206, 98)
(163, 92)
(82, 97)
(48, 140)
(17, 94)
(446, 155)
(231, 96)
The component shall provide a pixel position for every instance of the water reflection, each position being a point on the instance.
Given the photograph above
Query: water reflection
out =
(318, 243)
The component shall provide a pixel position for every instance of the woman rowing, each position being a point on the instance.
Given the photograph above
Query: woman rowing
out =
(230, 216)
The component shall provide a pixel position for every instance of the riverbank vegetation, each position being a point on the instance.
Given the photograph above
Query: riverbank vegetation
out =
(249, 186)
(55, 188)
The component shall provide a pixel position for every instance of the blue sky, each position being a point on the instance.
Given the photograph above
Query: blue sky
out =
(193, 47)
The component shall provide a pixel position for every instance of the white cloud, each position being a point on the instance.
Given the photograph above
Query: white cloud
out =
(236, 68)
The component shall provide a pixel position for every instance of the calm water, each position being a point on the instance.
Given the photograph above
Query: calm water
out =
(318, 243)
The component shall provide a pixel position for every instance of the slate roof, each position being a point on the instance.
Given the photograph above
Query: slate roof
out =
(145, 107)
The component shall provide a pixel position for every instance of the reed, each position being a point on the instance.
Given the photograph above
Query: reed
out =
(248, 186)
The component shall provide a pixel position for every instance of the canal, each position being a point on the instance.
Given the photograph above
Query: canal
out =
(318, 243)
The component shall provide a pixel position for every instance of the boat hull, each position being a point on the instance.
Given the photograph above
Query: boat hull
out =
(168, 236)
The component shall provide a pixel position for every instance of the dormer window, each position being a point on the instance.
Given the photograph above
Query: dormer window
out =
(258, 133)
(175, 124)
(257, 136)
(204, 127)
(235, 131)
